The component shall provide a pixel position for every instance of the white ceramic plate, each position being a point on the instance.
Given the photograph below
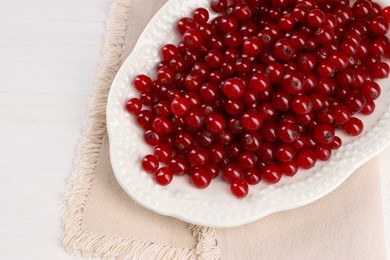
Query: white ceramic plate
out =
(215, 206)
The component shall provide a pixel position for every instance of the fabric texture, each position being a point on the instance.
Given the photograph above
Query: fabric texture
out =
(101, 221)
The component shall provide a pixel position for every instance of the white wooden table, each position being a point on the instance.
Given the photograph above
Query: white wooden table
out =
(49, 54)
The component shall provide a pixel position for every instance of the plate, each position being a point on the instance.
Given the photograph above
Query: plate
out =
(215, 206)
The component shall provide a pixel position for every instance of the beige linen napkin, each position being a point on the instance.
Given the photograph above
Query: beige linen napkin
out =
(100, 220)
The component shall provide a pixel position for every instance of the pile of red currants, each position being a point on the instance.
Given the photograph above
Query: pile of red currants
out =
(258, 91)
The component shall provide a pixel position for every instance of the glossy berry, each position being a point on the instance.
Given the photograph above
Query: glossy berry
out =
(151, 137)
(163, 152)
(272, 173)
(200, 178)
(316, 18)
(259, 82)
(179, 165)
(142, 82)
(162, 125)
(302, 105)
(218, 6)
(192, 39)
(353, 126)
(306, 159)
(201, 15)
(163, 176)
(252, 176)
(133, 106)
(323, 152)
(251, 46)
(247, 160)
(150, 163)
(232, 172)
(180, 106)
(198, 156)
(233, 88)
(215, 123)
(251, 120)
(284, 49)
(195, 118)
(169, 51)
(289, 168)
(239, 188)
(287, 132)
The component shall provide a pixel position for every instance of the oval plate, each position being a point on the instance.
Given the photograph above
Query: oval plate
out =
(215, 206)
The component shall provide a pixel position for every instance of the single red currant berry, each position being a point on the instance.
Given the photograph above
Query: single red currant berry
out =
(180, 106)
(239, 188)
(323, 152)
(287, 132)
(148, 98)
(379, 25)
(169, 51)
(212, 169)
(353, 126)
(284, 49)
(326, 69)
(192, 39)
(164, 176)
(275, 72)
(162, 125)
(151, 137)
(251, 46)
(284, 153)
(316, 18)
(145, 118)
(307, 62)
(323, 134)
(183, 140)
(252, 176)
(214, 59)
(306, 159)
(336, 143)
(289, 168)
(195, 117)
(142, 82)
(233, 88)
(380, 70)
(150, 163)
(302, 105)
(163, 152)
(242, 11)
(251, 120)
(133, 106)
(386, 13)
(201, 15)
(200, 178)
(286, 22)
(272, 173)
(247, 160)
(179, 165)
(198, 156)
(232, 172)
(217, 153)
(259, 82)
(219, 6)
(185, 24)
(215, 123)
(293, 82)
(165, 76)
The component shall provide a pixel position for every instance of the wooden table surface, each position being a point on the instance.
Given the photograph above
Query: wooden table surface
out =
(49, 54)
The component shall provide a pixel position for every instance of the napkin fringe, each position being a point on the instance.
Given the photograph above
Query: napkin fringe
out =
(207, 246)
(84, 243)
